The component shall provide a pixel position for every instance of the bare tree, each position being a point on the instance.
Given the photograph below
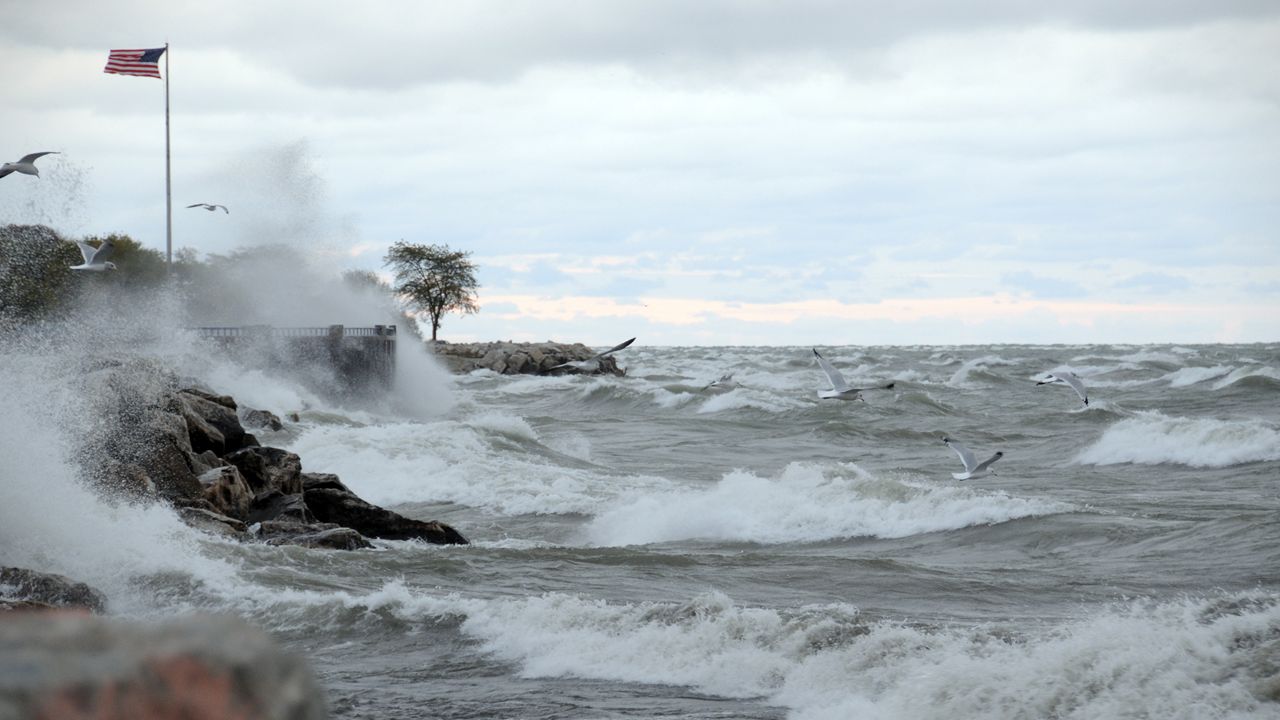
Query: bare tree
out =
(433, 279)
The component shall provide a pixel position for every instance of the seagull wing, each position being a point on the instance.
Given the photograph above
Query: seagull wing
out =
(833, 376)
(224, 209)
(879, 387)
(5, 171)
(613, 349)
(1074, 382)
(32, 157)
(196, 205)
(966, 455)
(86, 251)
(104, 251)
(987, 463)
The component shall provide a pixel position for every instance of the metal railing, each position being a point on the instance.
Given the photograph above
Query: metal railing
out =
(260, 330)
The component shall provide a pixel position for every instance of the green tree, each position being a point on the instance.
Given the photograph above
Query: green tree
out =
(433, 279)
(137, 266)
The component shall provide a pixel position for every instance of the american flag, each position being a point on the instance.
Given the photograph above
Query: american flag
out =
(145, 63)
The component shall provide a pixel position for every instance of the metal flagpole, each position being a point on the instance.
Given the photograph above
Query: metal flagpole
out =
(168, 185)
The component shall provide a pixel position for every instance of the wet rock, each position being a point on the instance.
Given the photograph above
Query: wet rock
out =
(204, 415)
(212, 522)
(275, 505)
(227, 491)
(19, 585)
(311, 535)
(225, 401)
(331, 501)
(268, 468)
(509, 358)
(168, 458)
(195, 668)
(261, 419)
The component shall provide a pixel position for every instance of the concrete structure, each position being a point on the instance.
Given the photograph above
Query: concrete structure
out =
(342, 360)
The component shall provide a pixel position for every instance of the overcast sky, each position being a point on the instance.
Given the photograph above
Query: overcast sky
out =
(702, 172)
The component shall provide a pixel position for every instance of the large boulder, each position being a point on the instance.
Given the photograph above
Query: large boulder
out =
(268, 468)
(20, 587)
(167, 456)
(332, 501)
(195, 668)
(213, 424)
(227, 491)
(275, 505)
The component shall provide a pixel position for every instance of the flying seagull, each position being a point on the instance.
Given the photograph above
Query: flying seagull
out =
(592, 362)
(95, 258)
(972, 469)
(211, 207)
(726, 381)
(840, 389)
(26, 166)
(1066, 378)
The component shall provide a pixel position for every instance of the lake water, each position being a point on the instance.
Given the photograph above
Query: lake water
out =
(642, 547)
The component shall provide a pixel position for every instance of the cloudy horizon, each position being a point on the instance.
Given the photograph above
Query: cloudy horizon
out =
(697, 174)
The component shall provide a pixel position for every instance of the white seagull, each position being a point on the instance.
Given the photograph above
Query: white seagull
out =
(95, 258)
(1066, 378)
(840, 389)
(26, 166)
(726, 382)
(972, 468)
(592, 362)
(210, 207)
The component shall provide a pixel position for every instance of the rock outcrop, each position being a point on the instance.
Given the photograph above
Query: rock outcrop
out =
(511, 358)
(27, 589)
(331, 501)
(187, 446)
(197, 668)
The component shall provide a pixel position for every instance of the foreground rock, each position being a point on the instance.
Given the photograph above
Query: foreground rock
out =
(510, 358)
(331, 501)
(29, 590)
(187, 446)
(196, 668)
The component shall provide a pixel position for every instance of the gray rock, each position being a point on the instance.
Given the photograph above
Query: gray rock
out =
(197, 668)
(261, 419)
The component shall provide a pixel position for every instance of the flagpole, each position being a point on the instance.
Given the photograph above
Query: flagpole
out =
(168, 185)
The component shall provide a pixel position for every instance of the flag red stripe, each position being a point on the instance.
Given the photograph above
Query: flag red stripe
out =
(125, 62)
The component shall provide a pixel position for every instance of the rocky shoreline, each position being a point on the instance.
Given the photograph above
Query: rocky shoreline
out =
(513, 358)
(171, 440)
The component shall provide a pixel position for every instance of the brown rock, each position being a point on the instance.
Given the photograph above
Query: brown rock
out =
(196, 668)
(227, 491)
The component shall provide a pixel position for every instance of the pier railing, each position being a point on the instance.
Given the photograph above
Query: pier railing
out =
(355, 360)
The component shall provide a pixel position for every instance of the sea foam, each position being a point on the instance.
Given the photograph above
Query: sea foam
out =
(1152, 438)
(806, 503)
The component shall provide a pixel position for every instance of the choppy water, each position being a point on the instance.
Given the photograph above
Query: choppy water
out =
(643, 548)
